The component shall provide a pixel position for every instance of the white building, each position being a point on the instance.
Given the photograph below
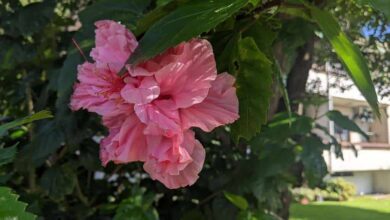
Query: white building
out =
(370, 169)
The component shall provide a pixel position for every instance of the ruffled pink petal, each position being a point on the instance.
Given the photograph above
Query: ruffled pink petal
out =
(108, 147)
(190, 174)
(172, 55)
(145, 92)
(83, 99)
(172, 163)
(138, 71)
(116, 120)
(98, 90)
(188, 76)
(114, 43)
(160, 113)
(167, 149)
(125, 144)
(219, 108)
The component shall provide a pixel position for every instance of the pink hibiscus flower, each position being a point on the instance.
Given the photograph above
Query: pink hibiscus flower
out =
(150, 110)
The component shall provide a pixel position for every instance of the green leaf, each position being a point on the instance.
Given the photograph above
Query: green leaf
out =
(225, 51)
(313, 161)
(37, 116)
(255, 175)
(48, 139)
(137, 206)
(187, 21)
(58, 181)
(162, 9)
(11, 208)
(349, 54)
(254, 81)
(13, 53)
(237, 200)
(264, 36)
(337, 146)
(7, 155)
(344, 122)
(284, 126)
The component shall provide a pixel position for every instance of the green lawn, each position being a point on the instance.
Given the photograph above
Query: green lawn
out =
(359, 208)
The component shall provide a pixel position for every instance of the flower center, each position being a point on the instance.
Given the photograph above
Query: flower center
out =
(165, 97)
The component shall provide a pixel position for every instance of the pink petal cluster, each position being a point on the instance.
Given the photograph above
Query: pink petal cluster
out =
(151, 109)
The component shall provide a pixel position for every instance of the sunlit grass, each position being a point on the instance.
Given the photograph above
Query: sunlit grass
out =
(358, 208)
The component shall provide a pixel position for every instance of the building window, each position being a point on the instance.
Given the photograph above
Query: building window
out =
(342, 174)
(341, 134)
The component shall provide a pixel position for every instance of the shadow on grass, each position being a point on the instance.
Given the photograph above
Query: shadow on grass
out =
(335, 212)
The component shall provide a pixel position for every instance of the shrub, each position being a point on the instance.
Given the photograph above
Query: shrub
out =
(341, 187)
(303, 193)
(335, 190)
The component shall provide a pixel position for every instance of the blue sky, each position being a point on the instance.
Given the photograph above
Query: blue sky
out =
(370, 31)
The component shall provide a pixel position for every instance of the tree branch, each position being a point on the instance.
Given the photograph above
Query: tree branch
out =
(266, 6)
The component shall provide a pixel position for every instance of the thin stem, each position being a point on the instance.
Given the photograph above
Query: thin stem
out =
(55, 158)
(80, 194)
(31, 179)
(115, 171)
(266, 6)
(30, 107)
(79, 49)
(211, 196)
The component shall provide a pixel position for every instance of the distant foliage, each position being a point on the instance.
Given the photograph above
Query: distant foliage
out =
(343, 188)
(336, 189)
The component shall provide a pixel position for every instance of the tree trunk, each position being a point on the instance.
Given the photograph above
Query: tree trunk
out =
(297, 78)
(296, 89)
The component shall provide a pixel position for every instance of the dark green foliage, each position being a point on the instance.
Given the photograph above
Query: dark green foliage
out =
(7, 155)
(184, 23)
(137, 206)
(47, 140)
(37, 116)
(58, 181)
(54, 164)
(20, 22)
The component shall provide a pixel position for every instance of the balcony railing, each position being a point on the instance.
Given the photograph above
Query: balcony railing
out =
(366, 145)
